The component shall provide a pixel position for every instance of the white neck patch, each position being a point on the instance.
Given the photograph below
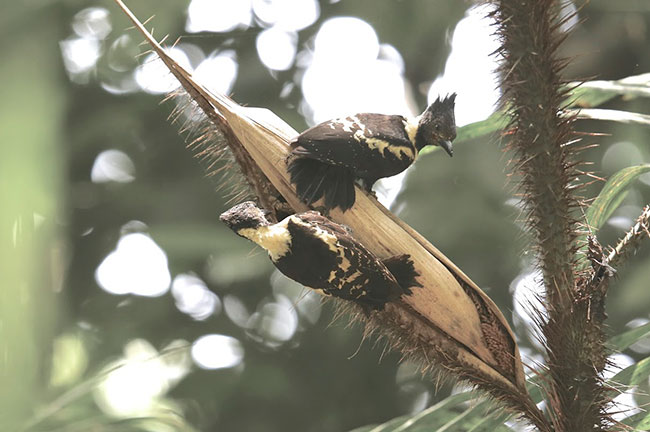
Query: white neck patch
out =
(275, 239)
(411, 127)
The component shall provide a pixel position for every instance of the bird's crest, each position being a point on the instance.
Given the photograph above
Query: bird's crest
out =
(445, 104)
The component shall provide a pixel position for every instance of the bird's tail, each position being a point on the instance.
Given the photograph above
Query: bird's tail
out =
(314, 179)
(401, 266)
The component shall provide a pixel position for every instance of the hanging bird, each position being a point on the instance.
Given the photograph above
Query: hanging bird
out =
(328, 158)
(322, 255)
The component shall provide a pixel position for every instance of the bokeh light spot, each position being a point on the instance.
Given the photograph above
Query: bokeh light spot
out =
(80, 54)
(137, 266)
(218, 15)
(215, 351)
(346, 76)
(112, 166)
(218, 72)
(346, 40)
(153, 76)
(69, 359)
(470, 68)
(289, 15)
(194, 298)
(277, 48)
(134, 384)
(413, 397)
(92, 22)
(236, 310)
(274, 323)
(305, 301)
(624, 405)
(642, 345)
(527, 291)
(122, 54)
(624, 216)
(621, 155)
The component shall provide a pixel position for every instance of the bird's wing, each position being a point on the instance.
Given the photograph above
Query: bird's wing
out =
(359, 275)
(353, 140)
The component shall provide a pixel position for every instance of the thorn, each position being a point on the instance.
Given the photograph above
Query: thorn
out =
(145, 22)
(162, 41)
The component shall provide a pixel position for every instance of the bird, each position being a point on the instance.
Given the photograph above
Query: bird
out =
(327, 159)
(323, 255)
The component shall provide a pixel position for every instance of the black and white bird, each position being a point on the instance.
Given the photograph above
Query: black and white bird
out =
(322, 255)
(327, 159)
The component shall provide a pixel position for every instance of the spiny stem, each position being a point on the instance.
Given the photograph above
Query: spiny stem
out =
(534, 93)
(533, 89)
(630, 242)
(604, 266)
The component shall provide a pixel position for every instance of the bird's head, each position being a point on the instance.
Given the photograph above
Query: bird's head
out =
(437, 124)
(244, 215)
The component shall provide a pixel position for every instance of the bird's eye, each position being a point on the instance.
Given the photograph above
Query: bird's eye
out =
(437, 126)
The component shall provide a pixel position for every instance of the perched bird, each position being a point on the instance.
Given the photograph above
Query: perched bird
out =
(322, 255)
(328, 158)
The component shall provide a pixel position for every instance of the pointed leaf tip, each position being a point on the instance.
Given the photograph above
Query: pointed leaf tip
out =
(612, 194)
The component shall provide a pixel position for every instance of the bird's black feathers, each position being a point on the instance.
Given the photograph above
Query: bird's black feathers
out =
(364, 147)
(323, 255)
(401, 266)
(368, 144)
(314, 179)
(437, 123)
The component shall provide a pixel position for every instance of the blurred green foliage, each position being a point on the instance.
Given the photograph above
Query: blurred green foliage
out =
(59, 330)
(612, 194)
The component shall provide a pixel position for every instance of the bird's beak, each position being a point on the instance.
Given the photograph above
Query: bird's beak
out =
(447, 146)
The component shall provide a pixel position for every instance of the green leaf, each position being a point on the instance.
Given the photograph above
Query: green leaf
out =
(71, 399)
(587, 97)
(634, 419)
(494, 123)
(644, 424)
(389, 426)
(33, 136)
(612, 194)
(367, 428)
(492, 423)
(494, 420)
(594, 93)
(454, 423)
(632, 375)
(626, 117)
(623, 341)
(437, 411)
(431, 418)
(444, 415)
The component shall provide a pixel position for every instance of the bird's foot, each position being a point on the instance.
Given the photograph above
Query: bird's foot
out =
(366, 186)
